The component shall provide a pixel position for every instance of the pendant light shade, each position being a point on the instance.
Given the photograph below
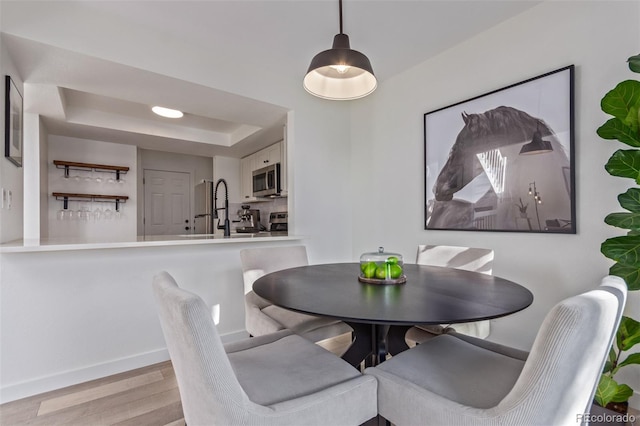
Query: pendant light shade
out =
(340, 73)
(536, 146)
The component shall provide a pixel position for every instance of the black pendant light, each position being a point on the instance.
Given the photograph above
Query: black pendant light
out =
(537, 145)
(340, 73)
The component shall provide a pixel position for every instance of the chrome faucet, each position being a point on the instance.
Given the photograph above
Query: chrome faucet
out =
(227, 224)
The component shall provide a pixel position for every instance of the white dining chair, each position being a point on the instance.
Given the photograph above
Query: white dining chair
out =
(276, 379)
(455, 379)
(466, 258)
(261, 316)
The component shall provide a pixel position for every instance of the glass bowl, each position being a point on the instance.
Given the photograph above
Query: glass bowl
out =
(381, 268)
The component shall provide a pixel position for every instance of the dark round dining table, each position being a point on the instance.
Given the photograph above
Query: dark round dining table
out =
(380, 314)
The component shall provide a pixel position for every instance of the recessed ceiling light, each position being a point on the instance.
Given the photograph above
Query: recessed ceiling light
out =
(167, 112)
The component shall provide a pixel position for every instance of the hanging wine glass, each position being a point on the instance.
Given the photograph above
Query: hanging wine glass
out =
(97, 213)
(69, 214)
(80, 213)
(108, 214)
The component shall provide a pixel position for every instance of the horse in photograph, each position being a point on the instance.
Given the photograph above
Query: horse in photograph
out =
(482, 133)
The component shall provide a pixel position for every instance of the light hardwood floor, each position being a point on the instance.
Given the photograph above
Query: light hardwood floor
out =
(146, 396)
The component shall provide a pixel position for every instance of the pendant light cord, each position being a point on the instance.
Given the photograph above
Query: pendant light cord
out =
(340, 4)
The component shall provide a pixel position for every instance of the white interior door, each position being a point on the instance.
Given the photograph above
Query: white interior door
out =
(167, 201)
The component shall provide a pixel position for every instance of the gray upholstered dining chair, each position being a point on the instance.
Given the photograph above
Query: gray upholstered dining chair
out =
(261, 316)
(277, 379)
(462, 380)
(466, 258)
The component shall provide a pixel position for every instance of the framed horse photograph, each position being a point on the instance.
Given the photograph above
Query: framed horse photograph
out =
(13, 123)
(504, 161)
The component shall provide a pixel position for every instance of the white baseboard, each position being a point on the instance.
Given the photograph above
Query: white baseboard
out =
(73, 377)
(80, 375)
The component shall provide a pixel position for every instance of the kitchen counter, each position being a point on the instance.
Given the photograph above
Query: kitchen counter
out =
(65, 244)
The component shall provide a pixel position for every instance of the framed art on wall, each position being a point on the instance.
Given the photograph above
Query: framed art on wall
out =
(504, 161)
(13, 128)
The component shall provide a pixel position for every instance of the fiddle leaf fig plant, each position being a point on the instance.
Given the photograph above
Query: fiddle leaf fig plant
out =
(634, 63)
(623, 103)
(609, 391)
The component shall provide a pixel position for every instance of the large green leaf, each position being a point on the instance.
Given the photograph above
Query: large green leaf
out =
(634, 63)
(624, 249)
(625, 163)
(623, 393)
(610, 362)
(630, 200)
(623, 102)
(629, 273)
(615, 129)
(623, 220)
(631, 359)
(605, 391)
(628, 333)
(610, 391)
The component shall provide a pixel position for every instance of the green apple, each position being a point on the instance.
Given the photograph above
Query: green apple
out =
(369, 270)
(395, 271)
(381, 272)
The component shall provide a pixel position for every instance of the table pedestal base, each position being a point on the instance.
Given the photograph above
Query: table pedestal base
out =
(372, 342)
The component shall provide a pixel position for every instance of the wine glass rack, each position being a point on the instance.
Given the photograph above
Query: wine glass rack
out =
(71, 165)
(66, 197)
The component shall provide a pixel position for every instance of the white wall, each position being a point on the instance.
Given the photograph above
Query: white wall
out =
(44, 180)
(388, 152)
(36, 178)
(88, 151)
(11, 177)
(228, 168)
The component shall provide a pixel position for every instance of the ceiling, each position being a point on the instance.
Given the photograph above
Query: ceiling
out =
(81, 95)
(89, 98)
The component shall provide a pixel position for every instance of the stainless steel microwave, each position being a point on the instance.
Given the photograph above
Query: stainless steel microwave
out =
(266, 181)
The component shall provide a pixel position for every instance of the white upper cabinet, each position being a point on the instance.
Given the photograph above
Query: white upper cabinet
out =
(268, 156)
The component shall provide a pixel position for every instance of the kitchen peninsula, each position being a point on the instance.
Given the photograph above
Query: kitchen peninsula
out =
(79, 311)
(62, 244)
